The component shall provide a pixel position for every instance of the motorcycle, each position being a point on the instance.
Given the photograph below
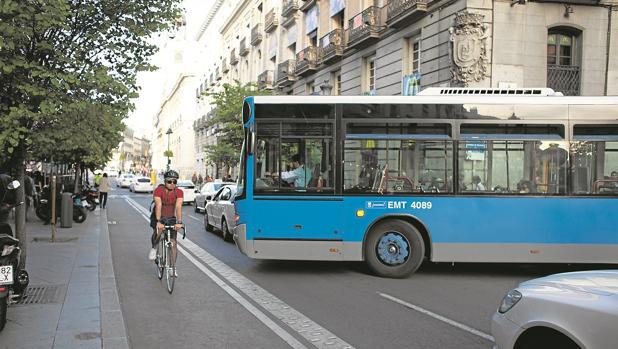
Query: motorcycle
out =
(13, 281)
(43, 211)
(91, 197)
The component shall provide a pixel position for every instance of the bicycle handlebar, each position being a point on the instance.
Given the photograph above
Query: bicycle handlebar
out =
(171, 227)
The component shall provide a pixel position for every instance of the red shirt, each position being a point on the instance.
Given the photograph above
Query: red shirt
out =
(168, 200)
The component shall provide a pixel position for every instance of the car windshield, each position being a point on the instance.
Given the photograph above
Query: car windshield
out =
(143, 180)
(216, 186)
(186, 184)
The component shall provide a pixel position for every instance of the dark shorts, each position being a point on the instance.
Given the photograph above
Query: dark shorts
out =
(173, 233)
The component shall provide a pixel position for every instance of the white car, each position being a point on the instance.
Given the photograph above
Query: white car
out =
(569, 310)
(124, 181)
(206, 194)
(141, 185)
(188, 189)
(221, 213)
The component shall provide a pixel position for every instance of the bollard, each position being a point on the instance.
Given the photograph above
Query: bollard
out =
(66, 213)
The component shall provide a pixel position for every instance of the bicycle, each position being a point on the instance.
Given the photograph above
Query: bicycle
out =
(164, 261)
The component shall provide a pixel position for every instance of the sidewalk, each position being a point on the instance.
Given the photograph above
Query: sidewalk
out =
(73, 300)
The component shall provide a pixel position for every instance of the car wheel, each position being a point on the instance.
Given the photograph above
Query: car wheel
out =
(207, 225)
(394, 248)
(225, 231)
(195, 207)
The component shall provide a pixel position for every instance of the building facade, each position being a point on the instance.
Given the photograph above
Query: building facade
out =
(395, 47)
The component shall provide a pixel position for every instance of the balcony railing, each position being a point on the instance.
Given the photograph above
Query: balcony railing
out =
(224, 67)
(271, 21)
(256, 34)
(212, 79)
(288, 12)
(265, 80)
(365, 28)
(285, 72)
(401, 12)
(217, 74)
(307, 61)
(233, 57)
(244, 49)
(564, 78)
(332, 45)
(305, 5)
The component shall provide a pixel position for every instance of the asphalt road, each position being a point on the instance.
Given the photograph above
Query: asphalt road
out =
(440, 306)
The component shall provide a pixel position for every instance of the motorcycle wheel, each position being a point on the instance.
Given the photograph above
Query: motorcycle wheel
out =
(79, 215)
(3, 306)
(41, 212)
(92, 205)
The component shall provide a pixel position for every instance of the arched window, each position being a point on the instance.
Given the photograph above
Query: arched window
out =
(563, 60)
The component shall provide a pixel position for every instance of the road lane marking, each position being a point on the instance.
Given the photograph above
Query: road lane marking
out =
(304, 326)
(438, 317)
(197, 219)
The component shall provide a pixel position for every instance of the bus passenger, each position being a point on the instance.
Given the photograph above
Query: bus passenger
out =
(476, 184)
(298, 175)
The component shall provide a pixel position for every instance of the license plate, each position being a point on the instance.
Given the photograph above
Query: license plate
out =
(6, 275)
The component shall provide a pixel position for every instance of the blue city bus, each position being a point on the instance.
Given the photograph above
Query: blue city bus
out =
(452, 175)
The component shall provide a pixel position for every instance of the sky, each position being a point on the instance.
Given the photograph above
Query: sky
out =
(152, 83)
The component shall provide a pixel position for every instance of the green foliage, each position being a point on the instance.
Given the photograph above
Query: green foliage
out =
(228, 116)
(68, 71)
(168, 153)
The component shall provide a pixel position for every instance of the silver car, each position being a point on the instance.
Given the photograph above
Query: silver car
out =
(206, 193)
(220, 212)
(570, 310)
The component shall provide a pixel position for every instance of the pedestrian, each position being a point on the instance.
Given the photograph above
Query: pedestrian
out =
(97, 179)
(28, 192)
(200, 180)
(194, 178)
(103, 190)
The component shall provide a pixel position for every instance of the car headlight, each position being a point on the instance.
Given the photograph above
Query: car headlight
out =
(509, 301)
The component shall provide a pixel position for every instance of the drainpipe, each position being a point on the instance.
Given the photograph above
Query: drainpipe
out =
(610, 9)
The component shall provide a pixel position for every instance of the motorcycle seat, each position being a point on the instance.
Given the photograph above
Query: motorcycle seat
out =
(6, 239)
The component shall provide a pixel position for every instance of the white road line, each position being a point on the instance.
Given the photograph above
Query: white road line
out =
(197, 219)
(439, 317)
(304, 326)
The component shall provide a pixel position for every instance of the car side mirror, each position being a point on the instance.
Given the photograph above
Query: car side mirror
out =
(208, 197)
(197, 191)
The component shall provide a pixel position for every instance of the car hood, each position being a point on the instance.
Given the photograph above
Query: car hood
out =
(600, 282)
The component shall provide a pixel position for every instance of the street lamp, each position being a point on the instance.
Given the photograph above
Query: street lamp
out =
(168, 133)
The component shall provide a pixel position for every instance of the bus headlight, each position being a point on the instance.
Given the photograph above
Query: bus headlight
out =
(360, 213)
(511, 298)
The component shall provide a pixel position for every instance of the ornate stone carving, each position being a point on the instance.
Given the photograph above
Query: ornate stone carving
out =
(469, 48)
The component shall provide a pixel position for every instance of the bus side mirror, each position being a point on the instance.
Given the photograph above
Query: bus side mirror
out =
(251, 139)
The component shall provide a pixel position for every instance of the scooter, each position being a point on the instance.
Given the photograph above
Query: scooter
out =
(91, 197)
(43, 211)
(13, 281)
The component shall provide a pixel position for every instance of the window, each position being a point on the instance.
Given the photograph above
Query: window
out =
(309, 88)
(335, 80)
(594, 153)
(370, 75)
(313, 38)
(397, 158)
(294, 157)
(497, 158)
(339, 20)
(563, 60)
(412, 63)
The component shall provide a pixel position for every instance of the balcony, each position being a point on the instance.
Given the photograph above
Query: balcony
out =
(332, 46)
(307, 61)
(271, 21)
(233, 57)
(288, 12)
(564, 78)
(212, 80)
(265, 80)
(224, 67)
(306, 5)
(244, 49)
(365, 28)
(218, 75)
(285, 73)
(400, 13)
(256, 34)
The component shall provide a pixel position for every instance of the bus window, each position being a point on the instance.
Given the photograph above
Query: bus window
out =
(594, 157)
(512, 167)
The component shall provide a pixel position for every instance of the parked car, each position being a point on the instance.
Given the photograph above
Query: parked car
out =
(188, 189)
(207, 192)
(220, 212)
(569, 310)
(124, 181)
(141, 185)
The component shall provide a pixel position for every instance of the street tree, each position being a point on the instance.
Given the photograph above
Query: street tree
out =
(68, 73)
(228, 117)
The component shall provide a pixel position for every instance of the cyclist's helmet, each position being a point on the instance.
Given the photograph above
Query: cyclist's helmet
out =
(171, 174)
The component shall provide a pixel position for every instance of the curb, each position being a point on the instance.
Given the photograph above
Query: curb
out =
(113, 329)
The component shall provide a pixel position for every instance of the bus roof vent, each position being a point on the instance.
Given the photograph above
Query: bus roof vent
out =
(451, 91)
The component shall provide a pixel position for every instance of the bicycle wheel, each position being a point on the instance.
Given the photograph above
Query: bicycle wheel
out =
(160, 260)
(170, 269)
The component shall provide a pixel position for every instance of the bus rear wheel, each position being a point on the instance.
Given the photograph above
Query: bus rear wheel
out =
(394, 249)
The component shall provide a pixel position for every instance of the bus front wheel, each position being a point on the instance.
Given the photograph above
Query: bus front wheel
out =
(394, 249)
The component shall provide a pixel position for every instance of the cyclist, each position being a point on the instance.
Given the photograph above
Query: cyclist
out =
(168, 210)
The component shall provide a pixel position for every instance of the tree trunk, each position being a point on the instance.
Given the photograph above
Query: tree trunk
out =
(20, 210)
(78, 175)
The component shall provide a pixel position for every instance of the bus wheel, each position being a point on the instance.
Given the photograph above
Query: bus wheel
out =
(394, 249)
